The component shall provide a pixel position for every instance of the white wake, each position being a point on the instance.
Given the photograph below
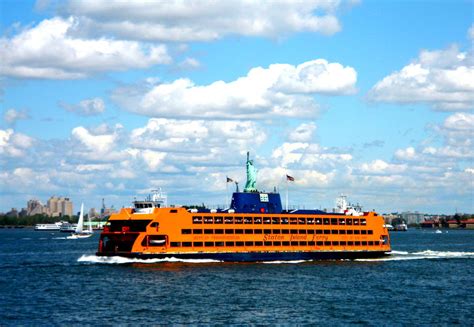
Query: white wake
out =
(122, 260)
(427, 254)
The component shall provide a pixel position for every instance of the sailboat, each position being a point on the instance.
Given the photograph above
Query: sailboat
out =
(79, 232)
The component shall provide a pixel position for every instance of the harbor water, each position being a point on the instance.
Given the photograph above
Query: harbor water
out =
(47, 279)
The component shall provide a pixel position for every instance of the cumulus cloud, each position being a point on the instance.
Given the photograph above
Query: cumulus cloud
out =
(279, 90)
(11, 115)
(87, 107)
(49, 51)
(302, 133)
(14, 144)
(201, 20)
(443, 79)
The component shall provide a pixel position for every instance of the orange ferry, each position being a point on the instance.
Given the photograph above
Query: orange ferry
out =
(254, 228)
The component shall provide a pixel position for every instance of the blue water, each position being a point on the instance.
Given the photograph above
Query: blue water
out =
(46, 279)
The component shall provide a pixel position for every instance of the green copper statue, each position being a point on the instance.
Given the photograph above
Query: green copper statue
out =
(251, 176)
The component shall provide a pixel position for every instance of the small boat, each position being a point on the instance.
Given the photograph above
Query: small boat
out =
(388, 226)
(401, 227)
(80, 232)
(49, 227)
(438, 232)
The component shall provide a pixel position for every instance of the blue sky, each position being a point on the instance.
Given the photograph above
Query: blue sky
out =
(110, 99)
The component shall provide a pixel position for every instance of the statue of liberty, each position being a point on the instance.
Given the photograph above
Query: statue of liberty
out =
(251, 176)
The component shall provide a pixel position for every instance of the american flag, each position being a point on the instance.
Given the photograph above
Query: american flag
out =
(229, 180)
(289, 178)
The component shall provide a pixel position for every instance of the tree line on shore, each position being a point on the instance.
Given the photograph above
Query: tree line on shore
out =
(6, 220)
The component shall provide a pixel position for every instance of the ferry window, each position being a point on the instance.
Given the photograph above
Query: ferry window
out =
(247, 220)
(370, 232)
(349, 232)
(219, 231)
(276, 243)
(218, 220)
(284, 220)
(219, 243)
(197, 231)
(208, 243)
(327, 243)
(293, 231)
(267, 243)
(208, 220)
(293, 221)
(257, 220)
(155, 224)
(356, 231)
(249, 231)
(197, 220)
(333, 221)
(310, 231)
(285, 243)
(302, 231)
(318, 221)
(318, 231)
(276, 231)
(335, 243)
(228, 220)
(310, 221)
(239, 231)
(267, 231)
(363, 221)
(356, 221)
(327, 231)
(357, 243)
(364, 242)
(257, 231)
(326, 221)
(238, 220)
(229, 231)
(334, 231)
(275, 220)
(197, 244)
(302, 221)
(173, 211)
(311, 243)
(319, 243)
(342, 231)
(175, 244)
(342, 221)
(342, 243)
(294, 243)
(258, 243)
(371, 242)
(303, 243)
(185, 231)
(350, 243)
(239, 243)
(285, 231)
(266, 220)
(348, 221)
(208, 231)
(229, 243)
(187, 244)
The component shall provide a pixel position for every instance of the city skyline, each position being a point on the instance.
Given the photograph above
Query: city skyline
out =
(114, 99)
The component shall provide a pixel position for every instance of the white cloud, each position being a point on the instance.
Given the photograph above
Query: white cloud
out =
(11, 115)
(406, 154)
(100, 144)
(48, 51)
(14, 144)
(278, 90)
(87, 107)
(303, 133)
(443, 79)
(203, 21)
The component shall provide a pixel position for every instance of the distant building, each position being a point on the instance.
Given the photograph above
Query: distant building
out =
(93, 213)
(60, 206)
(412, 217)
(35, 207)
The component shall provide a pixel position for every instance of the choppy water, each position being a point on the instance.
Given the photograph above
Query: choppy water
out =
(46, 279)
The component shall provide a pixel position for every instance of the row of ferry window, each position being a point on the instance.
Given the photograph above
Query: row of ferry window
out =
(276, 243)
(278, 220)
(277, 231)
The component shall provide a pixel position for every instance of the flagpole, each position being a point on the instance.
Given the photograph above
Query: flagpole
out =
(226, 193)
(286, 194)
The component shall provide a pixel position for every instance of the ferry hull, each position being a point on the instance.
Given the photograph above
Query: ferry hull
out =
(256, 256)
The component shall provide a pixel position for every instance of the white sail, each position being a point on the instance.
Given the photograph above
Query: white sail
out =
(90, 224)
(80, 223)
